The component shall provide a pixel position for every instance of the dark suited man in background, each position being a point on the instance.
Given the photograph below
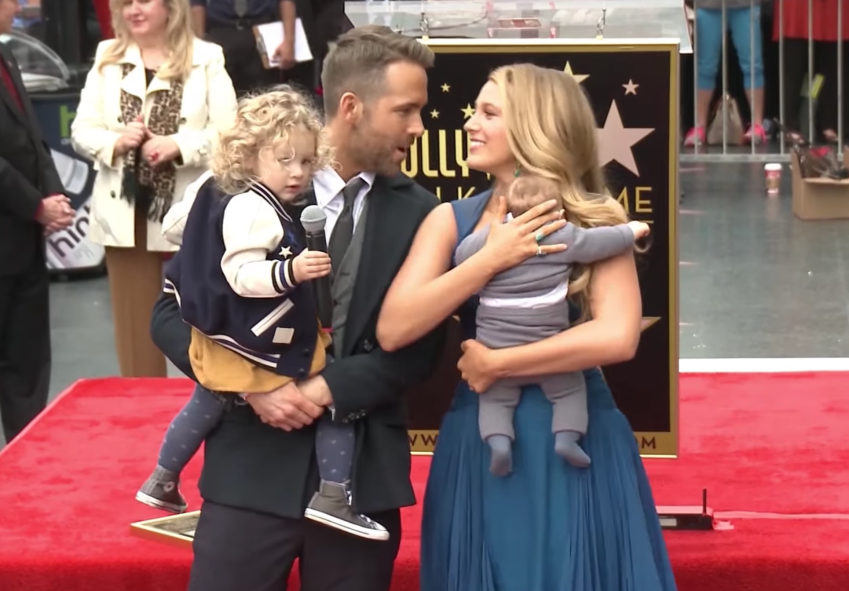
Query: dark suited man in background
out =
(229, 23)
(259, 467)
(32, 204)
(324, 21)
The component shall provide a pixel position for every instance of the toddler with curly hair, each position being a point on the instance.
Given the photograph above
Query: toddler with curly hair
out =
(242, 279)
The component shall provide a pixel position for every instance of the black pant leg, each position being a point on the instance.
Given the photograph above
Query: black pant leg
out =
(771, 66)
(170, 334)
(242, 60)
(825, 63)
(795, 67)
(336, 561)
(240, 550)
(302, 76)
(25, 353)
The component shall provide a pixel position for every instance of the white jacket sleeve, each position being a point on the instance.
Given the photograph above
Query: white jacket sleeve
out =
(196, 145)
(90, 137)
(174, 222)
(251, 230)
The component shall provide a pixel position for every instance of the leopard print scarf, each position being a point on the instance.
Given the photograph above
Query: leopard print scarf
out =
(143, 185)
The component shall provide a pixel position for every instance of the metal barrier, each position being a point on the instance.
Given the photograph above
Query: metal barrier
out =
(731, 149)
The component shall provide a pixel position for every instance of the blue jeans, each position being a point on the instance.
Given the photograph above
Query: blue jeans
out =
(709, 35)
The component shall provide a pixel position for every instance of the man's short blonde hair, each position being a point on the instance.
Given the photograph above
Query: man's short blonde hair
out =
(358, 62)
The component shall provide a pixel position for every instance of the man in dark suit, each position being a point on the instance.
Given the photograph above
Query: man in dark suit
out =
(259, 469)
(31, 204)
(229, 23)
(324, 21)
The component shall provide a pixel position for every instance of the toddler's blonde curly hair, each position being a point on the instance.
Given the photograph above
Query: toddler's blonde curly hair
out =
(265, 121)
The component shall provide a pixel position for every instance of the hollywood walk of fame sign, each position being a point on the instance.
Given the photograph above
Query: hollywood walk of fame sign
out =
(633, 92)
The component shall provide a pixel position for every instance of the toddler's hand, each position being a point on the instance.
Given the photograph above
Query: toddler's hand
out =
(311, 264)
(640, 229)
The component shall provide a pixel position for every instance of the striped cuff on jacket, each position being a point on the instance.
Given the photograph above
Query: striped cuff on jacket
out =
(283, 276)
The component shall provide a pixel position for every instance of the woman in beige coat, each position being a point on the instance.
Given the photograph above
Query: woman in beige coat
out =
(151, 108)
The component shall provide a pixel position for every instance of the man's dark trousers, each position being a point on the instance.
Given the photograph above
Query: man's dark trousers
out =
(263, 549)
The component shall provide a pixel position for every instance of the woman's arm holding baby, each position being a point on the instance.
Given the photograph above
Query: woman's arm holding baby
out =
(251, 230)
(611, 336)
(427, 290)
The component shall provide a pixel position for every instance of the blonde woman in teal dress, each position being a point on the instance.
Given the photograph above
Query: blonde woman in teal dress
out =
(548, 526)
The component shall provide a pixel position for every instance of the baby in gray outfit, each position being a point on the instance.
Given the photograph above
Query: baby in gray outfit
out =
(528, 303)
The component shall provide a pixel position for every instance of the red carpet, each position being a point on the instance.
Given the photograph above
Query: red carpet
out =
(766, 443)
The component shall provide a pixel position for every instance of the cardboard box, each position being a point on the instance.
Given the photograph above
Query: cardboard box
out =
(819, 199)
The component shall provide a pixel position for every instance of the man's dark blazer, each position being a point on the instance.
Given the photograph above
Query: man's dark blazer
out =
(27, 175)
(250, 465)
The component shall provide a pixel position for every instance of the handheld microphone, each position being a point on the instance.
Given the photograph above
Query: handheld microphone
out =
(313, 220)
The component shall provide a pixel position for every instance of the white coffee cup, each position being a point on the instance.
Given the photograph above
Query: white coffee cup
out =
(772, 176)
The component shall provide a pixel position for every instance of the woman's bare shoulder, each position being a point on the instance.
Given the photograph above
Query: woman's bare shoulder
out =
(445, 210)
(440, 224)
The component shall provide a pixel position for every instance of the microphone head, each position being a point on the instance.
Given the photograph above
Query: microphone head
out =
(313, 219)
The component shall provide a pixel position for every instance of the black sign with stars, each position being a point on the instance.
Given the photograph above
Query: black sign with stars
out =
(632, 91)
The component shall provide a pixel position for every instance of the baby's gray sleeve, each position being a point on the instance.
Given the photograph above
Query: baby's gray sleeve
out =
(589, 245)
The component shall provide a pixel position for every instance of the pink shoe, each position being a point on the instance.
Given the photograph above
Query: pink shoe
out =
(695, 137)
(755, 134)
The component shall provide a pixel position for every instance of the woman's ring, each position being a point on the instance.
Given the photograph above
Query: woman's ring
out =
(539, 236)
(539, 251)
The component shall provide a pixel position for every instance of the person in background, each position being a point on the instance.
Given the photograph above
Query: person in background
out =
(324, 21)
(229, 23)
(148, 116)
(825, 35)
(739, 18)
(32, 204)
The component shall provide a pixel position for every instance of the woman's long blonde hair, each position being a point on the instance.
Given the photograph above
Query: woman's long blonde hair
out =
(179, 37)
(551, 130)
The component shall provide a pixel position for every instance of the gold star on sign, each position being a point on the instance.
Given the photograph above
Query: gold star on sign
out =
(445, 88)
(630, 88)
(468, 111)
(578, 77)
(286, 252)
(434, 114)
